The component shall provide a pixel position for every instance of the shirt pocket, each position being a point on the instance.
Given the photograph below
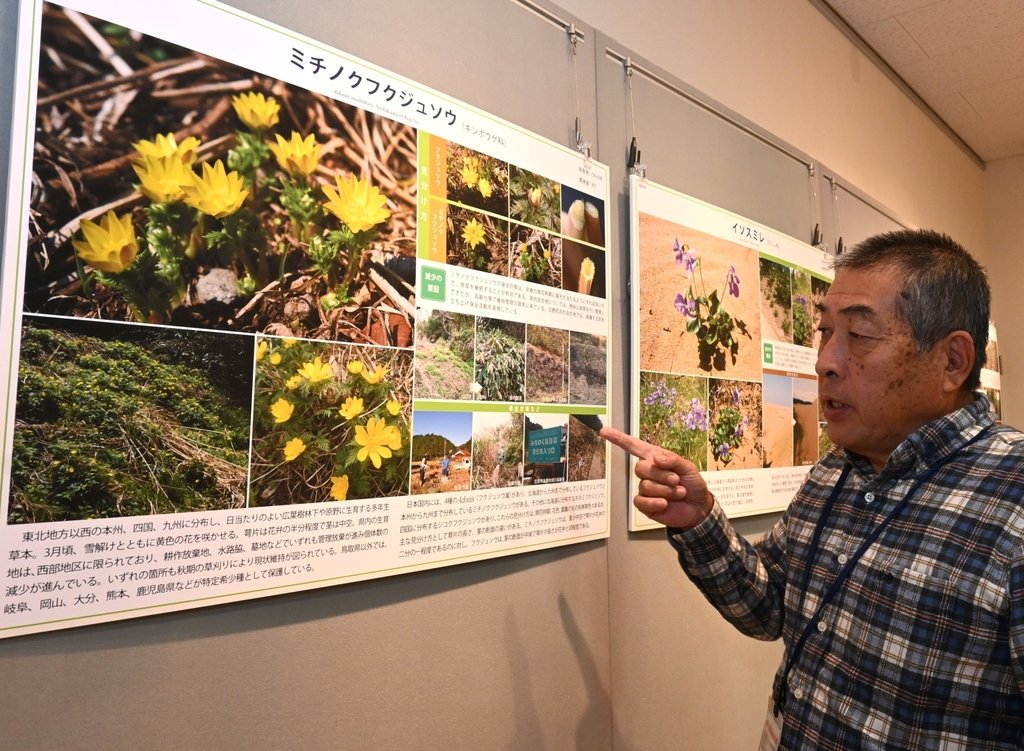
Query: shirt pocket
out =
(936, 611)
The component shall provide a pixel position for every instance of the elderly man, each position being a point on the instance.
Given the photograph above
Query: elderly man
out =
(896, 576)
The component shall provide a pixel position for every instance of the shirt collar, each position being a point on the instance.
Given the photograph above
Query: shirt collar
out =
(934, 441)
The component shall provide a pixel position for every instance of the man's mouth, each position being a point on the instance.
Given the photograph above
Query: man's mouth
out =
(833, 408)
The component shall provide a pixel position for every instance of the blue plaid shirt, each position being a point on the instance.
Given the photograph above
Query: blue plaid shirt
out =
(923, 646)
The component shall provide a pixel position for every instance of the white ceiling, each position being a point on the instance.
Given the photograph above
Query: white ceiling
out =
(963, 58)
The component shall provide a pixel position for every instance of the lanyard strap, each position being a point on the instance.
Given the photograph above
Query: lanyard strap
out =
(780, 689)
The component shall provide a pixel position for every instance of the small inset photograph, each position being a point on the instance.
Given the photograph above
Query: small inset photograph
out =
(117, 420)
(534, 200)
(536, 256)
(547, 365)
(582, 217)
(819, 288)
(586, 452)
(700, 302)
(674, 414)
(734, 424)
(330, 422)
(776, 301)
(477, 241)
(497, 449)
(583, 269)
(546, 439)
(500, 362)
(588, 368)
(444, 355)
(476, 179)
(805, 421)
(803, 309)
(442, 451)
(779, 421)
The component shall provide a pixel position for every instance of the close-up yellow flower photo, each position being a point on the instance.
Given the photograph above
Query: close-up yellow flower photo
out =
(473, 233)
(257, 111)
(110, 245)
(356, 202)
(293, 449)
(316, 370)
(217, 192)
(297, 156)
(339, 487)
(282, 410)
(353, 407)
(377, 440)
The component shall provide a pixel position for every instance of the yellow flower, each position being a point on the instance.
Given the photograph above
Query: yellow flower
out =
(110, 245)
(376, 375)
(164, 146)
(294, 382)
(217, 193)
(355, 202)
(315, 370)
(484, 186)
(161, 178)
(293, 448)
(393, 407)
(355, 366)
(473, 233)
(298, 156)
(352, 407)
(255, 110)
(275, 358)
(547, 254)
(339, 488)
(289, 341)
(470, 171)
(261, 349)
(377, 440)
(282, 410)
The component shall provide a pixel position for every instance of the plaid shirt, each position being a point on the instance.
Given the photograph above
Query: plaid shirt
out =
(923, 646)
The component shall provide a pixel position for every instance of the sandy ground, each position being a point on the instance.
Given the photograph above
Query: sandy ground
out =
(778, 436)
(665, 344)
(771, 322)
(806, 416)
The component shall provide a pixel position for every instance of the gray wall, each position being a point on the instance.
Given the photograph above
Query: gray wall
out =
(597, 646)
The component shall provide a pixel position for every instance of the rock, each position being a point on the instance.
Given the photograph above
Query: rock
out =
(217, 286)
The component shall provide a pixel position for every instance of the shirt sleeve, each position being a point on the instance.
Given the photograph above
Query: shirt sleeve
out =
(743, 581)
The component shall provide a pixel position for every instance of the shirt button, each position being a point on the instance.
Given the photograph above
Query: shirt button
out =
(822, 626)
(842, 558)
(869, 496)
(798, 693)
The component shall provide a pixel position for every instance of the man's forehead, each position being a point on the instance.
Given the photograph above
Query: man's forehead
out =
(861, 293)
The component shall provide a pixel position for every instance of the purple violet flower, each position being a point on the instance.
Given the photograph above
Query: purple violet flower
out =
(685, 305)
(732, 281)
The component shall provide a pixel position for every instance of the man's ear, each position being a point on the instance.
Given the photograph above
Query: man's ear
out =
(959, 351)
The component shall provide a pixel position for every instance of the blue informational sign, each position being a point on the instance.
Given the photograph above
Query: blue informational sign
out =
(545, 446)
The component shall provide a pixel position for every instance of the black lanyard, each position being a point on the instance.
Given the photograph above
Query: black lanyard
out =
(781, 687)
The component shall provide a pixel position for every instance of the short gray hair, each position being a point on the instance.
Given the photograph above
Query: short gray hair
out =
(944, 288)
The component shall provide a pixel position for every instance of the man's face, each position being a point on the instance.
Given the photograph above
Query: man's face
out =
(875, 387)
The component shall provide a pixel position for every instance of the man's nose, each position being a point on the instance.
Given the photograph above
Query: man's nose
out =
(830, 358)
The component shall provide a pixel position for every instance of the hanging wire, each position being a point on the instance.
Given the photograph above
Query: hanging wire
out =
(635, 165)
(835, 215)
(815, 201)
(575, 35)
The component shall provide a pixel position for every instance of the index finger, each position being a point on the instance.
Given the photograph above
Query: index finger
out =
(636, 447)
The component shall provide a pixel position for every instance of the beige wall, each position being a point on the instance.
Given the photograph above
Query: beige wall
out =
(1004, 181)
(784, 66)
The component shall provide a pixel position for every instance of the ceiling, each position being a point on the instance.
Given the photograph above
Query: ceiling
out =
(964, 59)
